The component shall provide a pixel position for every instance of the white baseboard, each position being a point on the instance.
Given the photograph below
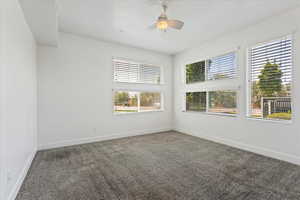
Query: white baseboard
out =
(99, 138)
(258, 150)
(13, 194)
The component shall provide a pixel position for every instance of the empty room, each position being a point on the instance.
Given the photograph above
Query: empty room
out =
(149, 100)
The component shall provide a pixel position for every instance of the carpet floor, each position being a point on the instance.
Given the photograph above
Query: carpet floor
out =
(163, 166)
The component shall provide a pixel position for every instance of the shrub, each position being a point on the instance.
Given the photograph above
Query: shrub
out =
(285, 116)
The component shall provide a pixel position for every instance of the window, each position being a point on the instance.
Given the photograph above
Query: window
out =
(222, 102)
(217, 101)
(150, 101)
(219, 67)
(196, 101)
(133, 72)
(132, 101)
(270, 80)
(128, 100)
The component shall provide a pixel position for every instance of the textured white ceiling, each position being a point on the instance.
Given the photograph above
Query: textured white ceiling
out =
(126, 21)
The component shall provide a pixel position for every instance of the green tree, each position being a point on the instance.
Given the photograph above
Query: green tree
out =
(195, 72)
(224, 99)
(121, 98)
(256, 94)
(286, 90)
(270, 82)
(196, 101)
(149, 98)
(134, 100)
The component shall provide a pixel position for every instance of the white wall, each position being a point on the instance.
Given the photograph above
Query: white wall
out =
(2, 175)
(18, 97)
(75, 92)
(273, 139)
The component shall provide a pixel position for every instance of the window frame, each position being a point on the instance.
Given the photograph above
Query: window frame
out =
(161, 82)
(249, 79)
(139, 92)
(206, 60)
(207, 102)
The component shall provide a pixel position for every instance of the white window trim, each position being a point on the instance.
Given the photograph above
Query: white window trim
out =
(139, 111)
(248, 80)
(275, 121)
(212, 113)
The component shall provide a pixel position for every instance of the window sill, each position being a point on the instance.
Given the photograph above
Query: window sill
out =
(135, 113)
(276, 121)
(139, 83)
(215, 114)
(211, 80)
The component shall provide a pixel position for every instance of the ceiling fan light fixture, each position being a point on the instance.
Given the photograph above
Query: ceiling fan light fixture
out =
(162, 25)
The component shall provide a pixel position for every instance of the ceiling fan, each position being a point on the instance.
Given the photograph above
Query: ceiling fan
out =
(163, 23)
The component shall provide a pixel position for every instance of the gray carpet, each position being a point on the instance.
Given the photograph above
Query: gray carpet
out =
(164, 166)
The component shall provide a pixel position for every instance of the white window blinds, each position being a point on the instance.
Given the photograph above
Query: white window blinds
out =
(149, 74)
(133, 72)
(278, 52)
(222, 67)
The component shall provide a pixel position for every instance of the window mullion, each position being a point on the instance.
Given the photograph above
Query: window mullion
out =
(139, 73)
(207, 101)
(139, 102)
(206, 70)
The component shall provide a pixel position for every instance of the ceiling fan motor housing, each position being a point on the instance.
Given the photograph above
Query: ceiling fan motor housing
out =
(162, 17)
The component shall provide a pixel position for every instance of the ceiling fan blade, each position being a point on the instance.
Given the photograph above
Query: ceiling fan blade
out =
(176, 24)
